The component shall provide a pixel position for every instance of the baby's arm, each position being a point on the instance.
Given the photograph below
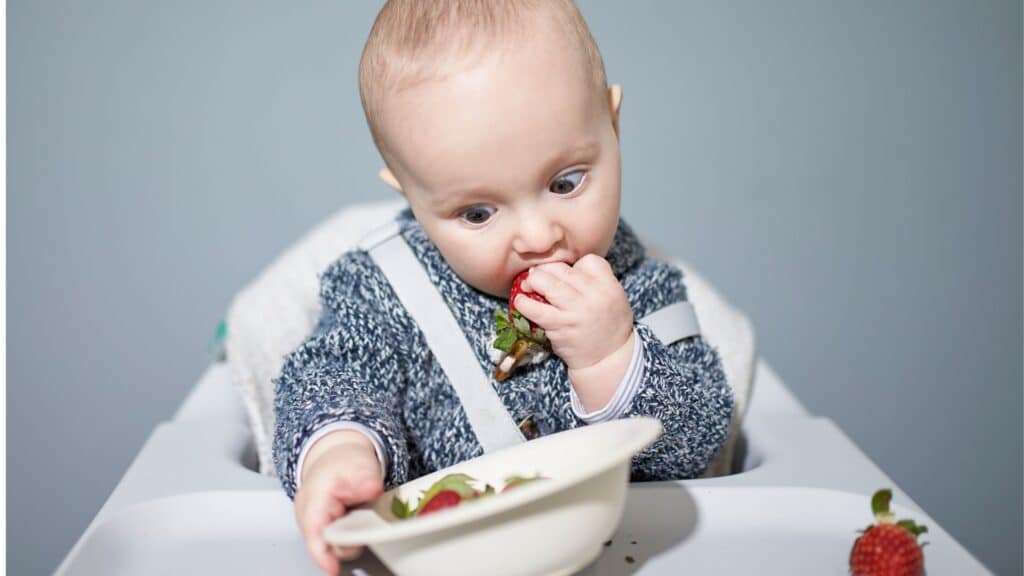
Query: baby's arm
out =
(586, 316)
(589, 322)
(682, 385)
(338, 433)
(348, 370)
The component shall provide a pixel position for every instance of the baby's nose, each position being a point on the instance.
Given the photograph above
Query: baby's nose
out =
(538, 236)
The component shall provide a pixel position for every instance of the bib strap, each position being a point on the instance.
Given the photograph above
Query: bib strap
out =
(487, 415)
(673, 322)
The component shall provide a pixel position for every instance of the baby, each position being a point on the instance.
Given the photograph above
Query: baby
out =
(497, 125)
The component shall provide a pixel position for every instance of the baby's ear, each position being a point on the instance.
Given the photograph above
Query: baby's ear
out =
(388, 178)
(614, 105)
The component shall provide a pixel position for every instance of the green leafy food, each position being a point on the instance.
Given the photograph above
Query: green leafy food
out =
(513, 481)
(453, 483)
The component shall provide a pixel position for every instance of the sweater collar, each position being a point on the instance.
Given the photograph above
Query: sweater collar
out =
(626, 250)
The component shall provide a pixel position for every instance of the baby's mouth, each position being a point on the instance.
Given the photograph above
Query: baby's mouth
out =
(568, 261)
(561, 261)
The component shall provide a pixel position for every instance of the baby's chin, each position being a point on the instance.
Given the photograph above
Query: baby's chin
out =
(493, 292)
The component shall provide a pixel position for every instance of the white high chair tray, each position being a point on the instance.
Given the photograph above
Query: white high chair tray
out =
(187, 505)
(668, 527)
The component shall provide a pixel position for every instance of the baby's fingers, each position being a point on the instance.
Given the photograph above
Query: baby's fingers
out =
(550, 283)
(315, 511)
(541, 314)
(347, 553)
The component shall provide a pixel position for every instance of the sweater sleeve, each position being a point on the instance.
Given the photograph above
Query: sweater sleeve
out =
(685, 388)
(683, 385)
(349, 369)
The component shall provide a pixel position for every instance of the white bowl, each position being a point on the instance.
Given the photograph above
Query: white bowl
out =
(554, 526)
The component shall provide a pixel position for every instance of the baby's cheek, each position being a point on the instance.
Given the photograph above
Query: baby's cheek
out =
(484, 275)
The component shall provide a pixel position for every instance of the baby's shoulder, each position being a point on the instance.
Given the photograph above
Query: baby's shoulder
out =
(653, 283)
(354, 279)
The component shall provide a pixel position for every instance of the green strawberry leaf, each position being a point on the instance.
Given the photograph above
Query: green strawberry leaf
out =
(501, 317)
(506, 338)
(913, 528)
(880, 502)
(521, 324)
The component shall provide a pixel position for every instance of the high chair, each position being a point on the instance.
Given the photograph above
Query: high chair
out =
(785, 494)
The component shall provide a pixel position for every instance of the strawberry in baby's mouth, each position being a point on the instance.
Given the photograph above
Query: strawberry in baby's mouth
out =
(519, 340)
(517, 289)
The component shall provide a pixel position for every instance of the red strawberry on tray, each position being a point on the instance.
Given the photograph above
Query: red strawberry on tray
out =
(888, 547)
(520, 340)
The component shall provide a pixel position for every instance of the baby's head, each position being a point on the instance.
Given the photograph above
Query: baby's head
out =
(496, 123)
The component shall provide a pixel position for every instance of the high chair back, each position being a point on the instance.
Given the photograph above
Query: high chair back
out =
(273, 315)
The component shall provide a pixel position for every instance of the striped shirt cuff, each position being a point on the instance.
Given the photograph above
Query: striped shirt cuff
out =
(623, 396)
(378, 446)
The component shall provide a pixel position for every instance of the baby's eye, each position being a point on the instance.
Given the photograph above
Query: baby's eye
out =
(477, 214)
(567, 183)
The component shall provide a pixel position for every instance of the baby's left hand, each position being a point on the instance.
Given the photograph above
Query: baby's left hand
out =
(588, 318)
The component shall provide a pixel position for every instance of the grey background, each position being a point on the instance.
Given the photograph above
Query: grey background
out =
(849, 174)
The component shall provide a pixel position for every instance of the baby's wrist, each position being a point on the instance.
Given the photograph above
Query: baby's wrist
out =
(609, 363)
(334, 442)
(596, 384)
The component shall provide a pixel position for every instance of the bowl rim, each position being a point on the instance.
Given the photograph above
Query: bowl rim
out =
(370, 528)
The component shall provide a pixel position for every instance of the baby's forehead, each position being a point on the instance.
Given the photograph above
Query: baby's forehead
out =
(452, 42)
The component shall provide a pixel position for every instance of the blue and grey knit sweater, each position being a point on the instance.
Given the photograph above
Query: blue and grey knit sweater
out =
(367, 362)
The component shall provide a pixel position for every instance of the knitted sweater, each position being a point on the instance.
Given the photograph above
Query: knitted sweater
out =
(368, 362)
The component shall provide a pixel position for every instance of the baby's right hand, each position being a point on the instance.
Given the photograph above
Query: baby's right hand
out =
(341, 471)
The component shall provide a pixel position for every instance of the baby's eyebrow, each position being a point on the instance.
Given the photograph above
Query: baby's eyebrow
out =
(585, 149)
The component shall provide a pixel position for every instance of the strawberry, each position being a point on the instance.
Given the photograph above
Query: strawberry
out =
(445, 493)
(441, 500)
(451, 491)
(888, 547)
(517, 289)
(519, 338)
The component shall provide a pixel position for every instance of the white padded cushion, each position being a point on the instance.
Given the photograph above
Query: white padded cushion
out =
(273, 315)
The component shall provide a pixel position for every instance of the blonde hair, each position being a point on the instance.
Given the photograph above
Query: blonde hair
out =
(417, 40)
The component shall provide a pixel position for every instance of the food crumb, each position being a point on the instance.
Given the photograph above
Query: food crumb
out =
(630, 560)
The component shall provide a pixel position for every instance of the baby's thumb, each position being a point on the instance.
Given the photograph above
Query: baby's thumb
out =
(346, 553)
(358, 489)
(370, 489)
(357, 492)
